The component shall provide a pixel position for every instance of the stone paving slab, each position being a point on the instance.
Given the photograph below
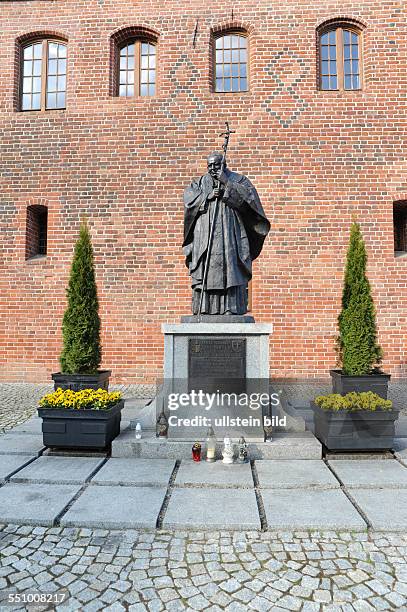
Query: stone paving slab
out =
(32, 426)
(136, 472)
(211, 508)
(29, 444)
(305, 509)
(370, 473)
(58, 470)
(11, 463)
(204, 474)
(30, 504)
(385, 509)
(292, 474)
(116, 507)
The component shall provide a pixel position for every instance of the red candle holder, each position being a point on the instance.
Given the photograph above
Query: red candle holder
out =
(196, 451)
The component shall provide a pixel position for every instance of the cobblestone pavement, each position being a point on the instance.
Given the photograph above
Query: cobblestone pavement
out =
(19, 401)
(135, 570)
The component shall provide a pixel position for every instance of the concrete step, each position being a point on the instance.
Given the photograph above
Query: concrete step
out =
(292, 445)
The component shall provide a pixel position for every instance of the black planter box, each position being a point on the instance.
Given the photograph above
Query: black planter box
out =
(78, 382)
(343, 384)
(69, 428)
(362, 430)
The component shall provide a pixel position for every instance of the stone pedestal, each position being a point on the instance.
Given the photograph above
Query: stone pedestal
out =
(233, 355)
(176, 338)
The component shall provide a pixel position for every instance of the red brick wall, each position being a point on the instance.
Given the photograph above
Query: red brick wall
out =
(316, 158)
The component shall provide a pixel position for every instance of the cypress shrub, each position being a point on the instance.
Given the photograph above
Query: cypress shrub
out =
(81, 352)
(358, 351)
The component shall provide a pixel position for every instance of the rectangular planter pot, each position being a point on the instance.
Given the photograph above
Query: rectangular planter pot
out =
(343, 384)
(77, 382)
(68, 428)
(362, 430)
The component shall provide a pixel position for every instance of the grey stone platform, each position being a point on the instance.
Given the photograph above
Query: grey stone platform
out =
(278, 493)
(293, 445)
(295, 494)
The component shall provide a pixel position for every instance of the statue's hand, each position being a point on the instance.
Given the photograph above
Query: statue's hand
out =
(216, 193)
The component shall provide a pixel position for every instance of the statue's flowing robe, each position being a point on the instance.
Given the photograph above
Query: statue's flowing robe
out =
(237, 240)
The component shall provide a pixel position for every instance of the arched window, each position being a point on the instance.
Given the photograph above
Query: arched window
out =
(137, 68)
(340, 59)
(43, 75)
(36, 231)
(231, 62)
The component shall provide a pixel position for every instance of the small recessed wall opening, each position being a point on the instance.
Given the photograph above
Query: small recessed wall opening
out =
(36, 231)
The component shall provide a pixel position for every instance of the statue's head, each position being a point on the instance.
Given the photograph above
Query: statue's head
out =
(215, 164)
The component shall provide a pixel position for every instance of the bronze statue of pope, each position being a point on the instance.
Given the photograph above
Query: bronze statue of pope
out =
(240, 228)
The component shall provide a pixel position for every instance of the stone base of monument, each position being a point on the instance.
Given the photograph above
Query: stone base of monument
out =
(218, 350)
(219, 357)
(290, 441)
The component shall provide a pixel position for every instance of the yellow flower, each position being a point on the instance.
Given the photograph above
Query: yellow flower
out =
(86, 398)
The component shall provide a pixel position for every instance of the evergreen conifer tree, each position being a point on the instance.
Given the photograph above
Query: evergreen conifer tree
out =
(358, 350)
(81, 352)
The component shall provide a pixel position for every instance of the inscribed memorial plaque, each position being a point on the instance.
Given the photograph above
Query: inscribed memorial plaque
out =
(217, 363)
